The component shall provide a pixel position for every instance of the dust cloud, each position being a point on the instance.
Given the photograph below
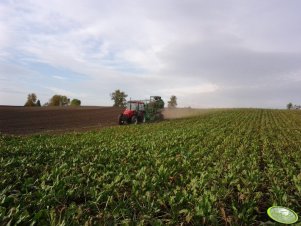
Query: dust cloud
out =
(174, 113)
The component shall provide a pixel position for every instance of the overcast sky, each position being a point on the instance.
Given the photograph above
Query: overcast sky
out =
(209, 53)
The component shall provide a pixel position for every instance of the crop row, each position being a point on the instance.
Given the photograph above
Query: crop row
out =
(226, 167)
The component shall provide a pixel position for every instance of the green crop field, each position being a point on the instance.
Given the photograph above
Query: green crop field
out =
(225, 167)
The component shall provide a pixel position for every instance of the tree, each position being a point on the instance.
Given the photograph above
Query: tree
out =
(65, 101)
(31, 100)
(289, 106)
(59, 100)
(173, 102)
(75, 102)
(38, 104)
(55, 100)
(119, 98)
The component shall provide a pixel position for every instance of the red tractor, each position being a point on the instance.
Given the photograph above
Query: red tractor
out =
(138, 111)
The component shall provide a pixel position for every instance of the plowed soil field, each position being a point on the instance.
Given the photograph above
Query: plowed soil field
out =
(34, 120)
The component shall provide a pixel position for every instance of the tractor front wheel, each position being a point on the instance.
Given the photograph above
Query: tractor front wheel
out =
(120, 119)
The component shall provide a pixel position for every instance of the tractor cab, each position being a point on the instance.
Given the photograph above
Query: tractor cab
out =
(135, 106)
(142, 110)
(133, 113)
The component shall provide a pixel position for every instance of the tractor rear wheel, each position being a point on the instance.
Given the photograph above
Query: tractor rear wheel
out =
(134, 119)
(141, 119)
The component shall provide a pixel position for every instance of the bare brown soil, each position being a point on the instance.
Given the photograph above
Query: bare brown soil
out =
(35, 120)
(38, 120)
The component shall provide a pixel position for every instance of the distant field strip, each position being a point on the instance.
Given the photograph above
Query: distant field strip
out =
(224, 167)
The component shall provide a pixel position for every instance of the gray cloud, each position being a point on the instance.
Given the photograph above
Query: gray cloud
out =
(228, 64)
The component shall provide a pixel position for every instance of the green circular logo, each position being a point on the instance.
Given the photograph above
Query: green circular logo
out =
(282, 215)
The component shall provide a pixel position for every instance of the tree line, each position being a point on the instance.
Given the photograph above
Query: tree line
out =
(119, 99)
(290, 106)
(55, 100)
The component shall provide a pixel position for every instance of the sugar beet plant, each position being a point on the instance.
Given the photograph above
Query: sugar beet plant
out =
(224, 168)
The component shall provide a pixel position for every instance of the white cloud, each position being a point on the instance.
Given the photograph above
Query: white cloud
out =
(59, 77)
(208, 48)
(65, 92)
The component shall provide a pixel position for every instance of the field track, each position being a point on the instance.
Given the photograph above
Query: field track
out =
(23, 121)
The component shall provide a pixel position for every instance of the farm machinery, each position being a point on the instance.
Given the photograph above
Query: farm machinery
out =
(140, 111)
